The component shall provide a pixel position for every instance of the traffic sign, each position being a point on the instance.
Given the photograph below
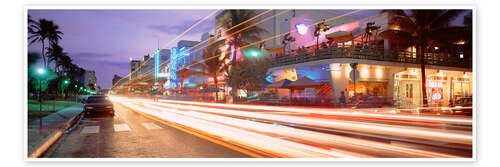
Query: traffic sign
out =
(354, 76)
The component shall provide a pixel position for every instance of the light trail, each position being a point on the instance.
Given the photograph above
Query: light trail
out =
(281, 141)
(270, 144)
(192, 26)
(374, 128)
(339, 112)
(360, 145)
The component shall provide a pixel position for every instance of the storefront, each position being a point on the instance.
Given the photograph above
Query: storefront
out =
(443, 87)
(461, 87)
(407, 89)
(435, 85)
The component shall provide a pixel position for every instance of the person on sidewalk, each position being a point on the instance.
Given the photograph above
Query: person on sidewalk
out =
(342, 99)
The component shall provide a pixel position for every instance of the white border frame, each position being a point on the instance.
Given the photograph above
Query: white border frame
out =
(180, 7)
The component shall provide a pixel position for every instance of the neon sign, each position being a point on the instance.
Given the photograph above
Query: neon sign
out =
(301, 29)
(177, 57)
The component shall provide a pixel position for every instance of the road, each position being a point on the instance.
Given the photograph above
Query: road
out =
(131, 135)
(198, 129)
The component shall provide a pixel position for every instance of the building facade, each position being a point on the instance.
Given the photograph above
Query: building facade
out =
(383, 70)
(90, 80)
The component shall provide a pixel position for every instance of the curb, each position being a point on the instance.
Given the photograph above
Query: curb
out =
(54, 137)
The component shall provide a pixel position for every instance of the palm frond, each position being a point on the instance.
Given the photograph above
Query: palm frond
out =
(445, 18)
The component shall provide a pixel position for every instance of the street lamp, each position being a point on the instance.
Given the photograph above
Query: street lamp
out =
(41, 73)
(253, 53)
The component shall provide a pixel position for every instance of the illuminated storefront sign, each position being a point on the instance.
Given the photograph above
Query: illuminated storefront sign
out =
(433, 84)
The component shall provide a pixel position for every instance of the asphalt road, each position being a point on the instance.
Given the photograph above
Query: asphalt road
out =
(131, 135)
(317, 132)
(146, 128)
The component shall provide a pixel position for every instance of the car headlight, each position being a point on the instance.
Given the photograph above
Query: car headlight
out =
(89, 107)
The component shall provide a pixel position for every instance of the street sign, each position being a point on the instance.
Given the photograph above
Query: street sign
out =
(354, 76)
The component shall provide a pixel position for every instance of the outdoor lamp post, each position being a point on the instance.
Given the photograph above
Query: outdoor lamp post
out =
(40, 72)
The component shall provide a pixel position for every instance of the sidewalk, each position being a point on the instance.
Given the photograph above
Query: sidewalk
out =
(38, 131)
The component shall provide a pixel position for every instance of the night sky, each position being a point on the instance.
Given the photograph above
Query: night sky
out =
(105, 40)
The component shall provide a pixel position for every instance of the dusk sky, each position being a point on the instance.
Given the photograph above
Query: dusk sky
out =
(105, 40)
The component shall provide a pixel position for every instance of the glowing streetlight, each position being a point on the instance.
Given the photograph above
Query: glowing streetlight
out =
(41, 71)
(254, 53)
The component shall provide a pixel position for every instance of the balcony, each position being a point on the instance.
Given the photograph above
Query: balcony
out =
(438, 59)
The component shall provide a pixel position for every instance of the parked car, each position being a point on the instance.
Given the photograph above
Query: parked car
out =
(98, 104)
(462, 106)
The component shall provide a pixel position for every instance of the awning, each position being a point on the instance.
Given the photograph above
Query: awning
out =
(340, 36)
(304, 82)
(276, 50)
(280, 84)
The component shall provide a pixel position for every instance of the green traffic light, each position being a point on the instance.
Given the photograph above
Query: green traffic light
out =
(66, 82)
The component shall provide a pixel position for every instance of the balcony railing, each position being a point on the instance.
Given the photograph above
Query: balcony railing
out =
(282, 59)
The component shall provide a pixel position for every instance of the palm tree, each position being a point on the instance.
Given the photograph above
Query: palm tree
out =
(55, 54)
(184, 73)
(249, 74)
(243, 37)
(43, 30)
(287, 39)
(422, 28)
(214, 63)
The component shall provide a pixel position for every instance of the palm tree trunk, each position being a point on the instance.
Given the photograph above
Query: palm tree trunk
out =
(216, 88)
(420, 54)
(182, 83)
(43, 54)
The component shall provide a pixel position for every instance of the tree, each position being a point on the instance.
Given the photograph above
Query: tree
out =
(43, 30)
(245, 33)
(56, 54)
(183, 73)
(422, 28)
(286, 40)
(32, 59)
(249, 74)
(214, 63)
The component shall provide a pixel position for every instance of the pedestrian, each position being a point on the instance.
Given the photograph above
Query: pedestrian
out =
(342, 99)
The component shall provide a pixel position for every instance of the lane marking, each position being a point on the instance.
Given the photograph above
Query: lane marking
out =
(90, 129)
(121, 127)
(150, 126)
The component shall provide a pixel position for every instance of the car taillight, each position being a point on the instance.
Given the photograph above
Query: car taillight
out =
(109, 106)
